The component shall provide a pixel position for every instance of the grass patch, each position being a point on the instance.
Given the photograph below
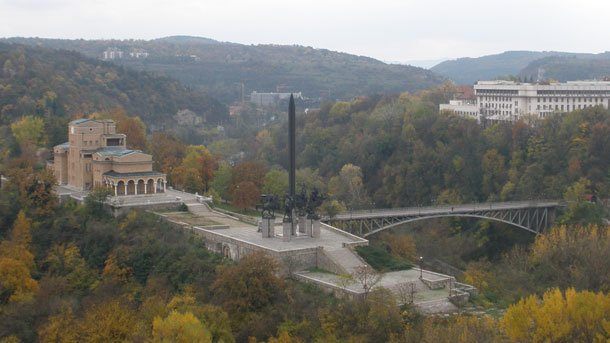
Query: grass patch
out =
(231, 208)
(382, 260)
(318, 270)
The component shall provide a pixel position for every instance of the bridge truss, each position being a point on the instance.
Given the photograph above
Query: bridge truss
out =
(534, 217)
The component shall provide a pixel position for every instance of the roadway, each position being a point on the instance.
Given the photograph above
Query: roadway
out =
(446, 209)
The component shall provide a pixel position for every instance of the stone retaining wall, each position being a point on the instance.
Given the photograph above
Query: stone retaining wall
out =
(323, 261)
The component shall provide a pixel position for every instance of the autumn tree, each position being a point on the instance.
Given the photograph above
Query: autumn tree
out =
(187, 179)
(18, 246)
(348, 187)
(586, 250)
(459, 329)
(332, 207)
(480, 275)
(181, 328)
(249, 171)
(581, 210)
(559, 317)
(21, 233)
(249, 286)
(60, 328)
(65, 260)
(35, 190)
(132, 126)
(247, 178)
(200, 160)
(17, 263)
(493, 168)
(401, 245)
(167, 151)
(108, 322)
(16, 283)
(215, 319)
(29, 133)
(245, 194)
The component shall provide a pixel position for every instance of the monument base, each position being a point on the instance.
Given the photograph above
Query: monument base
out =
(308, 231)
(315, 228)
(268, 227)
(286, 231)
(302, 224)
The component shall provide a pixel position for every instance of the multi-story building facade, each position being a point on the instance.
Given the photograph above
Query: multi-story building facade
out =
(270, 99)
(112, 54)
(464, 108)
(509, 100)
(95, 155)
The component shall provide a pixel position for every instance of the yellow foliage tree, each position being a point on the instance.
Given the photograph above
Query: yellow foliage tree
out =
(570, 317)
(461, 329)
(17, 263)
(402, 246)
(21, 230)
(29, 132)
(60, 328)
(180, 328)
(480, 275)
(15, 281)
(18, 247)
(108, 322)
(66, 260)
(284, 337)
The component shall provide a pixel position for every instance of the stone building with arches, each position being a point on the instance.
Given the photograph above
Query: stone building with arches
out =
(95, 155)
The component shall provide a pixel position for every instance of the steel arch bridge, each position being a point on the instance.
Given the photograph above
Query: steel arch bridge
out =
(534, 216)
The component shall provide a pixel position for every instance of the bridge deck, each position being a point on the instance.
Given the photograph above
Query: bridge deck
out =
(533, 215)
(447, 209)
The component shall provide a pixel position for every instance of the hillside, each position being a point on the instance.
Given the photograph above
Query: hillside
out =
(220, 67)
(469, 70)
(64, 84)
(566, 68)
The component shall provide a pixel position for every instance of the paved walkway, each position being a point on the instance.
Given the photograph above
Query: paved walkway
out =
(329, 239)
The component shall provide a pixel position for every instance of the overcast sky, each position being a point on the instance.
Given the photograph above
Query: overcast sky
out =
(389, 30)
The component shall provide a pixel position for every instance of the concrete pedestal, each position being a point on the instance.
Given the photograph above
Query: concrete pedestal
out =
(308, 231)
(303, 224)
(286, 231)
(268, 227)
(315, 228)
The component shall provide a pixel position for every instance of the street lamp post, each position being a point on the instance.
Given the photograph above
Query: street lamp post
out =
(421, 267)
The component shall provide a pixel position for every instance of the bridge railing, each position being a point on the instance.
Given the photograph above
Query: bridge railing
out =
(456, 208)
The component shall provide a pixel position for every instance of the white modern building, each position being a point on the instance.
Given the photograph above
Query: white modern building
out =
(508, 100)
(112, 54)
(464, 108)
(270, 99)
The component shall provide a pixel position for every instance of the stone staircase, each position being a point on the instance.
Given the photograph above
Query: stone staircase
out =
(197, 208)
(346, 259)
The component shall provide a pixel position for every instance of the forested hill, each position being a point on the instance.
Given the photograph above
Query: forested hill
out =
(220, 67)
(561, 66)
(64, 84)
(469, 70)
(566, 68)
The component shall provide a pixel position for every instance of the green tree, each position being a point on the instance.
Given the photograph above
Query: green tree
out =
(276, 183)
(29, 132)
(222, 180)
